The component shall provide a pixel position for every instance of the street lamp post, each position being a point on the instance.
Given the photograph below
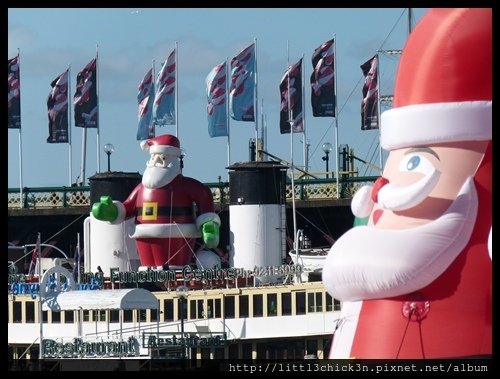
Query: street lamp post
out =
(327, 148)
(108, 149)
(182, 293)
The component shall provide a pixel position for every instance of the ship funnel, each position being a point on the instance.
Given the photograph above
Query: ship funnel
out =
(106, 245)
(257, 218)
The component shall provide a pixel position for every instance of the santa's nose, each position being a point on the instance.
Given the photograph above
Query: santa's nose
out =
(379, 183)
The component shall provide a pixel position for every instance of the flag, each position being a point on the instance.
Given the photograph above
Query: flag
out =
(34, 257)
(216, 94)
(85, 99)
(14, 93)
(323, 81)
(145, 113)
(369, 105)
(57, 109)
(291, 90)
(242, 86)
(164, 99)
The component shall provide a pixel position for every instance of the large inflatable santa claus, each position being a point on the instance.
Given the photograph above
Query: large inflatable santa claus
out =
(171, 211)
(416, 281)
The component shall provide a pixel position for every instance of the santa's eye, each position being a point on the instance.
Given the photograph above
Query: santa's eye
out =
(416, 163)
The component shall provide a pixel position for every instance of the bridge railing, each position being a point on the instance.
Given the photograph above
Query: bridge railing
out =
(67, 197)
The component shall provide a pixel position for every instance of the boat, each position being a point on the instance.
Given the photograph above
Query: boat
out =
(262, 304)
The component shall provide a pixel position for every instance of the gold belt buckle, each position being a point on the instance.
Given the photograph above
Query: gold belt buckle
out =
(150, 211)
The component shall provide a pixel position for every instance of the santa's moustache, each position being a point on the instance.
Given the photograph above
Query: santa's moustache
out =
(369, 263)
(157, 176)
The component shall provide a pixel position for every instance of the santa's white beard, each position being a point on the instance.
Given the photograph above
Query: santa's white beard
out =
(157, 177)
(369, 263)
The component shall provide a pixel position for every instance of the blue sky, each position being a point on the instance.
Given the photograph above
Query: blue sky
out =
(129, 39)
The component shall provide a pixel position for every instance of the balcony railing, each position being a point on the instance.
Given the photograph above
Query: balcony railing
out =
(67, 197)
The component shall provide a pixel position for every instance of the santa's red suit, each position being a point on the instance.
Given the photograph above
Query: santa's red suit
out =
(429, 297)
(168, 217)
(166, 225)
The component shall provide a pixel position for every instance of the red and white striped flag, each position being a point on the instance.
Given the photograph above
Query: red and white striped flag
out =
(34, 257)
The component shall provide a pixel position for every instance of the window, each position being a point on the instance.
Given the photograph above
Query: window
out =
(205, 352)
(261, 350)
(45, 316)
(69, 317)
(56, 317)
(195, 309)
(142, 315)
(17, 315)
(30, 311)
(210, 310)
(154, 315)
(86, 315)
(246, 350)
(168, 310)
(315, 302)
(127, 315)
(229, 306)
(243, 305)
(300, 300)
(272, 304)
(312, 347)
(114, 315)
(219, 353)
(286, 303)
(100, 315)
(331, 303)
(336, 305)
(218, 308)
(258, 308)
(233, 351)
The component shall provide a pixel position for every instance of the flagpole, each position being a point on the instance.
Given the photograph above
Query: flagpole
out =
(303, 114)
(262, 131)
(152, 93)
(21, 202)
(69, 128)
(40, 312)
(378, 115)
(256, 104)
(84, 148)
(228, 117)
(336, 116)
(290, 119)
(97, 91)
(176, 89)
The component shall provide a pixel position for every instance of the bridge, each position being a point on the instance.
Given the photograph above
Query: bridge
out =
(57, 213)
(78, 197)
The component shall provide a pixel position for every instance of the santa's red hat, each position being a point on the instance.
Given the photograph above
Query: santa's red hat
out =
(165, 144)
(443, 85)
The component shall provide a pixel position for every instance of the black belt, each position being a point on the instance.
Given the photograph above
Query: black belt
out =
(167, 211)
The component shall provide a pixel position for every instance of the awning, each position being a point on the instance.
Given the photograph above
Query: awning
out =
(130, 298)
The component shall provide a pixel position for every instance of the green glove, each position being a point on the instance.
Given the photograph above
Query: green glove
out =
(210, 232)
(105, 209)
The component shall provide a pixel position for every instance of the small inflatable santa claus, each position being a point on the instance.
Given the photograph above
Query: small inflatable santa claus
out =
(171, 211)
(416, 281)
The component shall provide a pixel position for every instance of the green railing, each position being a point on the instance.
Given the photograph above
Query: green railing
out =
(66, 197)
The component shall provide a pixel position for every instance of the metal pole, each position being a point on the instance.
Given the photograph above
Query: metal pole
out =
(326, 160)
(183, 355)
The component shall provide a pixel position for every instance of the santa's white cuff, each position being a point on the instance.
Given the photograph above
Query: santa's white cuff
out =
(122, 212)
(209, 216)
